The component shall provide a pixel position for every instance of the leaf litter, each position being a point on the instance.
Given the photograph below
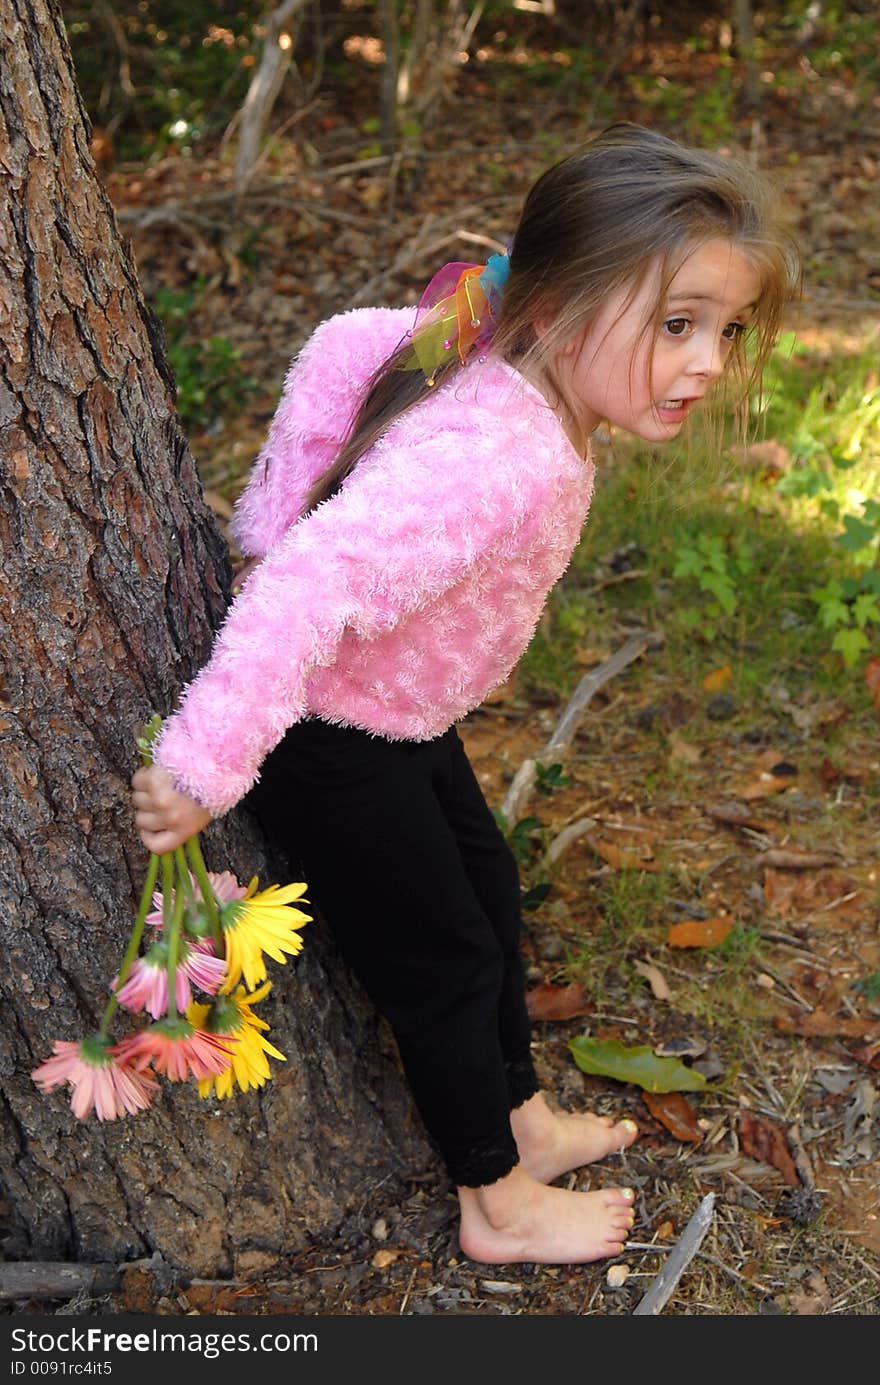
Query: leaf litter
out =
(816, 1042)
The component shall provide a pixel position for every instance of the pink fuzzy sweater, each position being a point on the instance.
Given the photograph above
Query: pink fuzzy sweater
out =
(401, 601)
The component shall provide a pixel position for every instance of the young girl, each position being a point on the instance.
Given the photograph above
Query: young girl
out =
(419, 494)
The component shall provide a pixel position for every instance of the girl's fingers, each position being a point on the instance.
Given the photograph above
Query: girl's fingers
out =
(160, 842)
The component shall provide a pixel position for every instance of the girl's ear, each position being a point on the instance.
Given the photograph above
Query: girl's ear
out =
(543, 327)
(544, 332)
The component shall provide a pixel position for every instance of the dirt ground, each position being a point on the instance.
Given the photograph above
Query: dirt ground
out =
(789, 1143)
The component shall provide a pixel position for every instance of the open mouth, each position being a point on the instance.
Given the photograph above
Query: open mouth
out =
(673, 409)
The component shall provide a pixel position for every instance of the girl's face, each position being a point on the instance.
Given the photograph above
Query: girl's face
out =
(611, 372)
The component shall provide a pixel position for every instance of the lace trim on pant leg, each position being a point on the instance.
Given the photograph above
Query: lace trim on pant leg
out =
(522, 1081)
(484, 1162)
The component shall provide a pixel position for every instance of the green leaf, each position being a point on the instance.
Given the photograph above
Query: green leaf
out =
(858, 534)
(866, 610)
(851, 644)
(689, 563)
(611, 1058)
(833, 613)
(840, 459)
(534, 897)
(719, 585)
(689, 618)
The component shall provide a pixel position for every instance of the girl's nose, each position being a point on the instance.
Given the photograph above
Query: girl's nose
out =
(708, 359)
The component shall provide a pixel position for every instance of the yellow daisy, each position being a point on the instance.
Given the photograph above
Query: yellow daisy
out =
(231, 1016)
(260, 923)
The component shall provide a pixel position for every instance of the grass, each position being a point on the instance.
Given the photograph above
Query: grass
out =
(732, 552)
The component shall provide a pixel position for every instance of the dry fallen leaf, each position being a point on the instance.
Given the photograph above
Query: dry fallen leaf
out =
(680, 749)
(818, 1024)
(795, 858)
(872, 678)
(760, 1139)
(622, 857)
(869, 1055)
(676, 1113)
(718, 679)
(776, 779)
(780, 891)
(835, 892)
(655, 979)
(808, 1305)
(550, 1002)
(699, 932)
(737, 815)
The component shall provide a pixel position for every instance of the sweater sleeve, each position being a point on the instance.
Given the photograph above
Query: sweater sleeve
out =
(322, 387)
(408, 524)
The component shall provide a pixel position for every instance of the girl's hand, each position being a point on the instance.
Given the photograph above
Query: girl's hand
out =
(164, 817)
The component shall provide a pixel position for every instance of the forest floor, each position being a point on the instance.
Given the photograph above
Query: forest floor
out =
(785, 1132)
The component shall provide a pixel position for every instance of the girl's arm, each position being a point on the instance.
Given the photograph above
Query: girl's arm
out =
(406, 527)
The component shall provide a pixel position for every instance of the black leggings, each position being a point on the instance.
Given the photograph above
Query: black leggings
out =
(406, 864)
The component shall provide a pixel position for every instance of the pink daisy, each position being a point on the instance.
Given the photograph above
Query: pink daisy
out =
(101, 1080)
(146, 986)
(178, 1049)
(223, 883)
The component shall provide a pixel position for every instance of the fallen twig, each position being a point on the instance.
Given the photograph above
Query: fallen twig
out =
(562, 737)
(40, 1279)
(800, 1156)
(563, 840)
(680, 1257)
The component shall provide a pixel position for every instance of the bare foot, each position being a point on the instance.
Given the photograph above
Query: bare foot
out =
(551, 1143)
(520, 1219)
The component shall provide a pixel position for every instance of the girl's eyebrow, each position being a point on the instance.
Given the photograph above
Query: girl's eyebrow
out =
(704, 298)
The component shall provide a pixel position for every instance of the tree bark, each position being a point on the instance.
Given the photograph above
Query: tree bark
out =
(115, 577)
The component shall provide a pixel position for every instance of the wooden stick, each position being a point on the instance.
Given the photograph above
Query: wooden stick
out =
(563, 840)
(800, 1156)
(40, 1279)
(561, 739)
(678, 1260)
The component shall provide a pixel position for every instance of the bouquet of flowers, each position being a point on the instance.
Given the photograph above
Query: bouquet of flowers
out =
(209, 935)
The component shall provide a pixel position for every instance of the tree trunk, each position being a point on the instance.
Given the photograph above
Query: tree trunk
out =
(115, 576)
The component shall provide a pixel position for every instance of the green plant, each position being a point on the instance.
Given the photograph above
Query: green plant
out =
(740, 946)
(869, 987)
(834, 441)
(208, 374)
(533, 897)
(548, 778)
(521, 838)
(160, 74)
(716, 566)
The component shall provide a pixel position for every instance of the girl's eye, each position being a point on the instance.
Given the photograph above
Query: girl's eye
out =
(733, 330)
(676, 326)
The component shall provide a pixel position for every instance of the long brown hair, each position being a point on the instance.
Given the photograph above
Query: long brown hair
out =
(593, 224)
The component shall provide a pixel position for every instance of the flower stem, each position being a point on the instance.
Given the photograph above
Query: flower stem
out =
(200, 871)
(183, 874)
(173, 940)
(134, 941)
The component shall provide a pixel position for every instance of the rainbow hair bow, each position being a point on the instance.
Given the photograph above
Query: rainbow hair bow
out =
(456, 311)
